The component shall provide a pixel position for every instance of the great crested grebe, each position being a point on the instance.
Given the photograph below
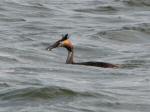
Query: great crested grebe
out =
(66, 43)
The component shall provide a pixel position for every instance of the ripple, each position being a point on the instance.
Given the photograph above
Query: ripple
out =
(98, 9)
(115, 31)
(4, 85)
(10, 19)
(144, 27)
(8, 59)
(129, 34)
(26, 6)
(137, 2)
(40, 93)
(32, 27)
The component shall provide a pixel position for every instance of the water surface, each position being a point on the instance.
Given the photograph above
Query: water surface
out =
(35, 80)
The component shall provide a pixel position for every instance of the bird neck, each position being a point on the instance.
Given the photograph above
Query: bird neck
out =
(70, 57)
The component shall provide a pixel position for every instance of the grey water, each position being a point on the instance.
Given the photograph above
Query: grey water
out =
(35, 80)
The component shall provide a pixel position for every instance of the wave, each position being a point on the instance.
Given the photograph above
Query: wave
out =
(4, 85)
(26, 5)
(134, 64)
(137, 2)
(132, 34)
(8, 59)
(10, 19)
(144, 27)
(98, 9)
(31, 93)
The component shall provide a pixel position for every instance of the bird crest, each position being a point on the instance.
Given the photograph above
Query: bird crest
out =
(65, 37)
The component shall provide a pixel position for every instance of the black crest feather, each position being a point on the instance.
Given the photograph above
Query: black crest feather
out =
(65, 37)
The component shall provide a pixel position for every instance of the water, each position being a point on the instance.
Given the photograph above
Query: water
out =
(35, 80)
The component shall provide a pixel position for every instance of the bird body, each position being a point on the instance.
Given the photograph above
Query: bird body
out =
(66, 43)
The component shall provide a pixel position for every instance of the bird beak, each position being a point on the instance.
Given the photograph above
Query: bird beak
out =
(59, 43)
(55, 45)
(49, 48)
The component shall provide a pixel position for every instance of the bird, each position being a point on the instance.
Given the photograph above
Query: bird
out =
(65, 42)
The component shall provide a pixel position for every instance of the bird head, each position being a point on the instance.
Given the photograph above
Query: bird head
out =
(63, 42)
